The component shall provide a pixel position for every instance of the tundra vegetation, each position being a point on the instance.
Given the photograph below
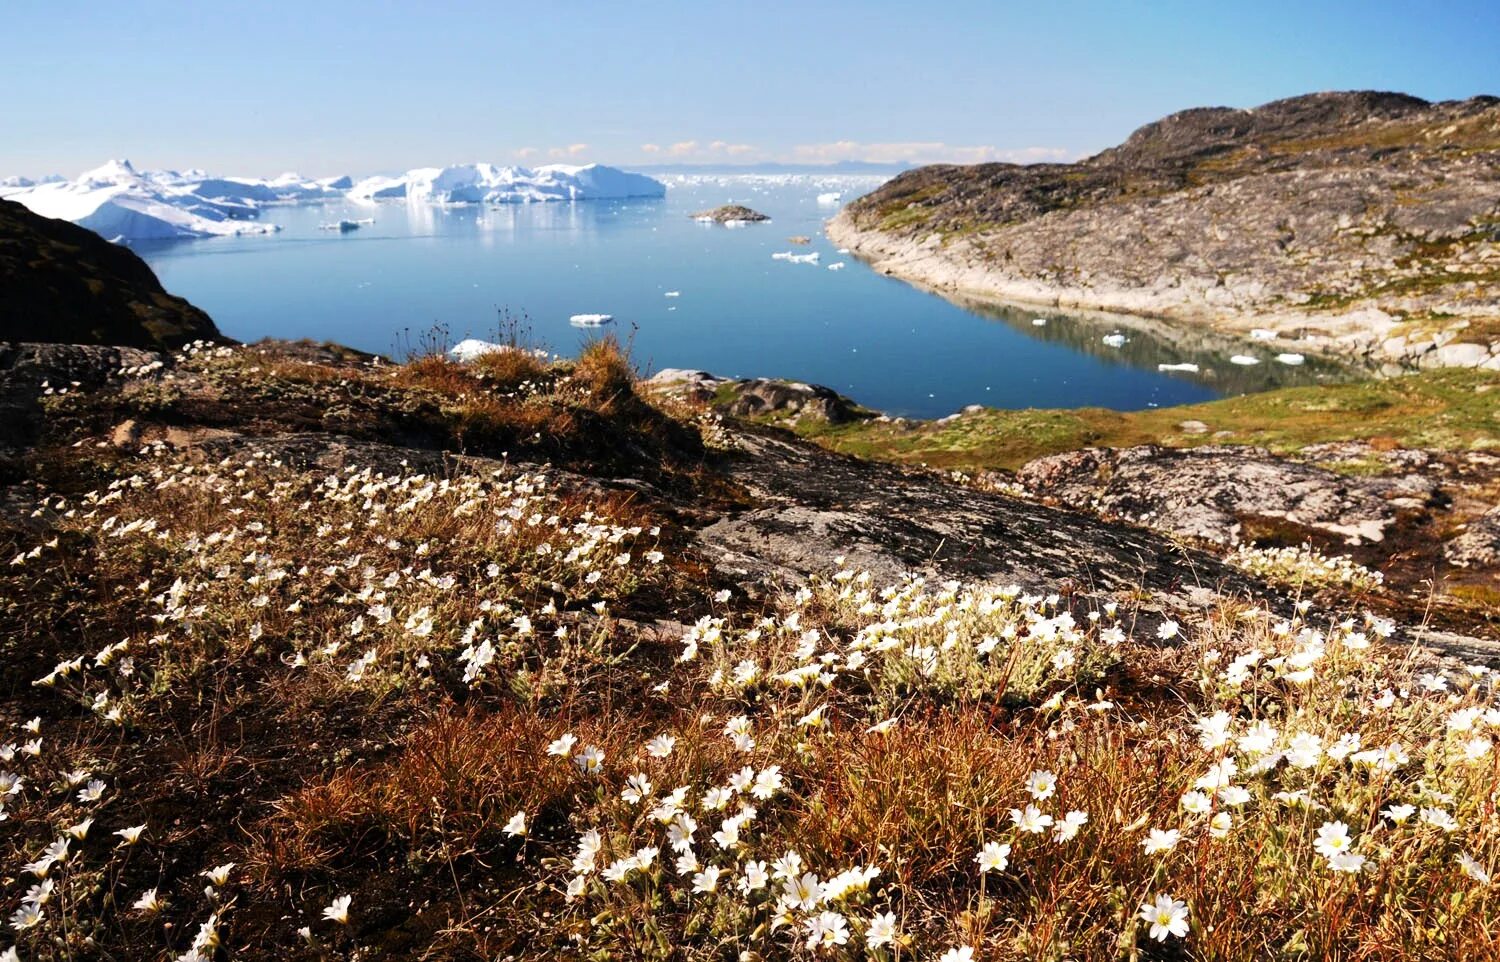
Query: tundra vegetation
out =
(258, 705)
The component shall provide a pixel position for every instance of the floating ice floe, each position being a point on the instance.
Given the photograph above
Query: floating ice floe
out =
(843, 250)
(1292, 359)
(1261, 334)
(672, 294)
(1186, 366)
(794, 258)
(836, 266)
(345, 226)
(830, 199)
(1038, 322)
(1114, 340)
(590, 320)
(1244, 360)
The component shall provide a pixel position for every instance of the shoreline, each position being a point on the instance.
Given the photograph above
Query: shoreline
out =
(1366, 338)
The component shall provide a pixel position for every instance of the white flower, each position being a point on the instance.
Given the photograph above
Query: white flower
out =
(1041, 785)
(1347, 862)
(92, 792)
(1196, 802)
(1167, 916)
(767, 782)
(1333, 838)
(219, 874)
(148, 902)
(707, 880)
(516, 825)
(1167, 630)
(1031, 820)
(993, 857)
(338, 910)
(1213, 731)
(961, 954)
(131, 835)
(590, 761)
(1437, 818)
(1473, 869)
(1304, 751)
(825, 930)
(660, 746)
(1220, 824)
(881, 930)
(562, 747)
(1068, 828)
(1160, 841)
(1399, 813)
(637, 788)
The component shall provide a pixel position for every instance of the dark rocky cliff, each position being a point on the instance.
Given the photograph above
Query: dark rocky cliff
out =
(62, 283)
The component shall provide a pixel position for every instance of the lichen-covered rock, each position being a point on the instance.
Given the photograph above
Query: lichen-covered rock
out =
(1478, 544)
(1209, 492)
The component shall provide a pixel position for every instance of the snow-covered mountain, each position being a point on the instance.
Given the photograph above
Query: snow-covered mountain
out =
(124, 204)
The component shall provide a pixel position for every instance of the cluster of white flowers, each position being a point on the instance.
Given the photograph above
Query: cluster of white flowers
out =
(1305, 565)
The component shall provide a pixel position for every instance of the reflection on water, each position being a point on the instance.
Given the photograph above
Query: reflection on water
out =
(1148, 342)
(740, 312)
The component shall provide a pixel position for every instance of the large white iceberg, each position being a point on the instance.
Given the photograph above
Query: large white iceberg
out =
(492, 184)
(123, 204)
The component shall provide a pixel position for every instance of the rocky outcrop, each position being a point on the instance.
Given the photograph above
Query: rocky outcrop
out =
(65, 284)
(766, 398)
(1208, 493)
(1479, 543)
(1354, 224)
(730, 213)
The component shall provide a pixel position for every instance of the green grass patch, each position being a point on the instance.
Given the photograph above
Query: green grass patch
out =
(1445, 409)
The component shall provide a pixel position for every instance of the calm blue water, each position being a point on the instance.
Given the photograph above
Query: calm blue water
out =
(740, 312)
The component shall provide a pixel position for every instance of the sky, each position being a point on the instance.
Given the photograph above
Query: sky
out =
(374, 87)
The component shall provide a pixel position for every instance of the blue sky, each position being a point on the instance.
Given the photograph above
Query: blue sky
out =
(361, 87)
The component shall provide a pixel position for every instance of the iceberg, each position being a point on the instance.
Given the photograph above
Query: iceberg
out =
(1292, 359)
(493, 184)
(123, 204)
(345, 226)
(590, 320)
(1186, 366)
(1038, 322)
(471, 348)
(794, 258)
(836, 266)
(830, 199)
(672, 294)
(1244, 360)
(1114, 340)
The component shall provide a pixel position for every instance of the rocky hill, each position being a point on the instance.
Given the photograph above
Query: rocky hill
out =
(66, 284)
(1350, 223)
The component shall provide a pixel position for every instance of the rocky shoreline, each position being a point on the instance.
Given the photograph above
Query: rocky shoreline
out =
(1361, 226)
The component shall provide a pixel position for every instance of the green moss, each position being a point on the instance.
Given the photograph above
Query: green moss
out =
(1444, 409)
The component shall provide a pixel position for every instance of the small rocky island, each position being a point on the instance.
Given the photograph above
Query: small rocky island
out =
(731, 213)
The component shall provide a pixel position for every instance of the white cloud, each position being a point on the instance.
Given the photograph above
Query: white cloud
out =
(925, 152)
(572, 150)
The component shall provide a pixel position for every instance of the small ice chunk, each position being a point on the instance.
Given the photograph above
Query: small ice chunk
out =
(1038, 322)
(590, 320)
(1292, 359)
(672, 294)
(1261, 334)
(470, 348)
(830, 199)
(836, 266)
(1244, 360)
(843, 250)
(794, 258)
(1114, 340)
(1187, 366)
